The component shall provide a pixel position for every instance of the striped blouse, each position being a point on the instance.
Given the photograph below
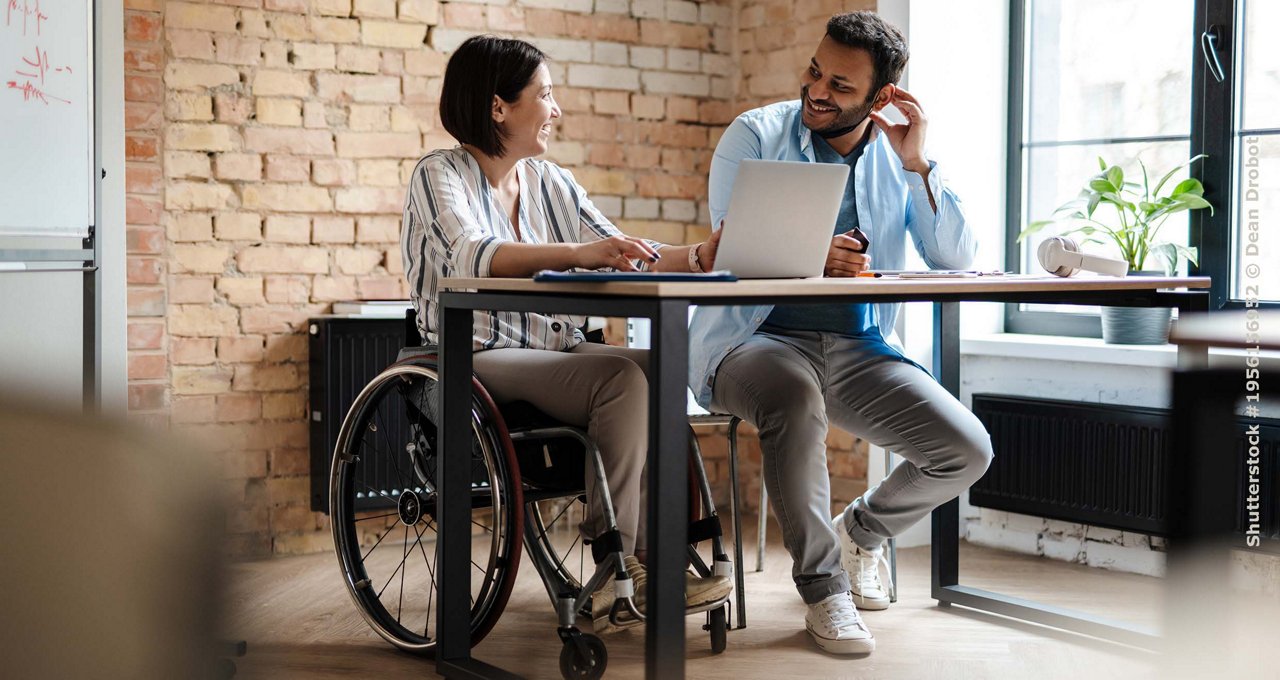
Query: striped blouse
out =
(453, 224)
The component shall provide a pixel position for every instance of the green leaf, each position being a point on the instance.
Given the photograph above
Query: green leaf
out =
(1101, 185)
(1194, 202)
(1189, 186)
(1033, 228)
(1172, 253)
(1116, 176)
(1146, 186)
(1094, 200)
(1102, 165)
(1175, 170)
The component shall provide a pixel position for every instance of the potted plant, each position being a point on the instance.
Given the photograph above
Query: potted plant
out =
(1139, 212)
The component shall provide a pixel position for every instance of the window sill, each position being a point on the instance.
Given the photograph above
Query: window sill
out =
(1092, 351)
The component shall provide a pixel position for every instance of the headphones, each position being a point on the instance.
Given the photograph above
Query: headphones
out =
(1061, 256)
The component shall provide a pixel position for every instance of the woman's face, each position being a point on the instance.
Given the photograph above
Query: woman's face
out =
(526, 123)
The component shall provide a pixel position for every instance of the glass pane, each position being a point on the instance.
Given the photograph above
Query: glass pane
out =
(1101, 69)
(1257, 206)
(1260, 69)
(1056, 175)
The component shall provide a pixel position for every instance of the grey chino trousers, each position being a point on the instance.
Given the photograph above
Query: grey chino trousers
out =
(602, 388)
(790, 385)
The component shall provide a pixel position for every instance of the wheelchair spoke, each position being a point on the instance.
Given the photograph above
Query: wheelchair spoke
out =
(389, 514)
(399, 567)
(547, 527)
(403, 571)
(560, 565)
(375, 545)
(488, 529)
(380, 493)
(382, 427)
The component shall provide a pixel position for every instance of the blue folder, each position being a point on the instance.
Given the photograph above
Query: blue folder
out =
(644, 277)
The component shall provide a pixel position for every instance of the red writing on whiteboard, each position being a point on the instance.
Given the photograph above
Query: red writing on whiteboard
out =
(27, 11)
(32, 93)
(36, 69)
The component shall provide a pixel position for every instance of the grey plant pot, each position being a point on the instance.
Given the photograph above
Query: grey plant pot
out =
(1136, 325)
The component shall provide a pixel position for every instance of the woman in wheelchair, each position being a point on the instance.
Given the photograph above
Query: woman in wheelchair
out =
(490, 208)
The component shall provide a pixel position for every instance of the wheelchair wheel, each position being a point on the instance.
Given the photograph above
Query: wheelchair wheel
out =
(718, 626)
(585, 662)
(383, 508)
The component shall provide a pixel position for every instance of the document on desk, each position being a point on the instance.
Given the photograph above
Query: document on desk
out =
(551, 276)
(933, 274)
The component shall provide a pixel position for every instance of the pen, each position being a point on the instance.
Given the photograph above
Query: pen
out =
(869, 275)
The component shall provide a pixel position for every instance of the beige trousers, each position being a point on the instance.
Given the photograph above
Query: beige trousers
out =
(604, 389)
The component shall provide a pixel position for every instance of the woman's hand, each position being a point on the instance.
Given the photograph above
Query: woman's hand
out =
(617, 252)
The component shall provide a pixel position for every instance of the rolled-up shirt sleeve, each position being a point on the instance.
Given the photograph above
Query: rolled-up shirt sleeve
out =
(439, 213)
(942, 237)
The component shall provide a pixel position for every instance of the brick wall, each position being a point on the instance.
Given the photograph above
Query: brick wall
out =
(268, 145)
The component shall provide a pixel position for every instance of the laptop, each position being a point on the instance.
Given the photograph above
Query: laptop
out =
(782, 215)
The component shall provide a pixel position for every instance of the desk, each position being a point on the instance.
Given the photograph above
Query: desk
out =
(667, 304)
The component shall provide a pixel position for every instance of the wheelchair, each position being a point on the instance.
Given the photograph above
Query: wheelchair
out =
(527, 491)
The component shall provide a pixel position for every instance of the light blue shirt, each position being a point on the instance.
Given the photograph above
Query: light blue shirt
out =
(892, 204)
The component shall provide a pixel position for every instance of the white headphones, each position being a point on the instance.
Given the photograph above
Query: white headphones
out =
(1061, 256)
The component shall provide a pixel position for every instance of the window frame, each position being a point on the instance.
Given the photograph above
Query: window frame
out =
(1213, 121)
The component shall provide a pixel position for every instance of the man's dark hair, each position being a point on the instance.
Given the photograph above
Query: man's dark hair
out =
(866, 30)
(481, 67)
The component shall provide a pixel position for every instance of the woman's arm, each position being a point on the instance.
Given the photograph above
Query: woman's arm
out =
(617, 252)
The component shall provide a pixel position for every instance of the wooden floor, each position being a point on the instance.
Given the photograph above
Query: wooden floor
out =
(300, 623)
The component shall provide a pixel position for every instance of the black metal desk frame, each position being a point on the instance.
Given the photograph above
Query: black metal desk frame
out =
(668, 486)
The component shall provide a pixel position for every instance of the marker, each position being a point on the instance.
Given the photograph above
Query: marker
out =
(869, 275)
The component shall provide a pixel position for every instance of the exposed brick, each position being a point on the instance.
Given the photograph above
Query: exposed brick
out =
(193, 351)
(238, 227)
(275, 140)
(281, 83)
(333, 172)
(202, 320)
(236, 408)
(288, 168)
(370, 229)
(238, 166)
(145, 302)
(369, 200)
(200, 16)
(291, 347)
(288, 289)
(333, 229)
(202, 137)
(189, 76)
(338, 87)
(393, 34)
(191, 289)
(201, 380)
(313, 56)
(185, 44)
(195, 196)
(284, 259)
(279, 111)
(263, 377)
(241, 290)
(287, 229)
(358, 59)
(284, 405)
(244, 349)
(287, 198)
(141, 334)
(179, 164)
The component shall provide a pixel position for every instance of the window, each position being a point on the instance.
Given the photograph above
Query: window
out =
(1240, 245)
(1091, 78)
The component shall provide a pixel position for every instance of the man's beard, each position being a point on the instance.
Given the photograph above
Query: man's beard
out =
(845, 119)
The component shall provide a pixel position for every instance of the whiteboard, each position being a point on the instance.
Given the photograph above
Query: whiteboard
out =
(46, 117)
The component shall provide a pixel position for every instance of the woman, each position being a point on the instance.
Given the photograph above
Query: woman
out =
(488, 208)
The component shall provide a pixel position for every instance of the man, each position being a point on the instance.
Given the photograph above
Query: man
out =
(791, 370)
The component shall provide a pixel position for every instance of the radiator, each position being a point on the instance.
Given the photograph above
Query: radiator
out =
(1095, 464)
(346, 354)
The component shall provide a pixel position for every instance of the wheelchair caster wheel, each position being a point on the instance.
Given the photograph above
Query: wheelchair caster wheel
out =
(583, 659)
(718, 626)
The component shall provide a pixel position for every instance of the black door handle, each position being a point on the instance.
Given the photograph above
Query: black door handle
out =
(1209, 45)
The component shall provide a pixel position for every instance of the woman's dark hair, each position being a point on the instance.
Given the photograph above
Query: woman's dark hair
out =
(866, 30)
(481, 67)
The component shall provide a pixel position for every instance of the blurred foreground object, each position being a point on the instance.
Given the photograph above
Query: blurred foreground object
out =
(111, 564)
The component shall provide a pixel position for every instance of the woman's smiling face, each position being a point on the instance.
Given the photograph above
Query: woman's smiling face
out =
(526, 122)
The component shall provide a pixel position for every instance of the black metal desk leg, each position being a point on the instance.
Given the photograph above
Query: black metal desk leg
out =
(453, 511)
(945, 535)
(668, 490)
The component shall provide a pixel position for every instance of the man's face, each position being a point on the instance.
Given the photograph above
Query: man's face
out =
(837, 87)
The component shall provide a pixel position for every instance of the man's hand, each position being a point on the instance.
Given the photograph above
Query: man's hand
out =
(845, 258)
(708, 248)
(907, 139)
(617, 252)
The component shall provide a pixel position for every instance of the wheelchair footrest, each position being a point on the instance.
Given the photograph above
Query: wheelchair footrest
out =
(704, 529)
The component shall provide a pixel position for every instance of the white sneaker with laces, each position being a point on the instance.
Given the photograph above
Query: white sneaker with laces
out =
(863, 567)
(837, 627)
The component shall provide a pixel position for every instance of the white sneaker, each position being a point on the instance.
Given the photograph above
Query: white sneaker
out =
(863, 567)
(837, 627)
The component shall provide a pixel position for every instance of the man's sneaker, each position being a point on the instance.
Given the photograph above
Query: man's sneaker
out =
(863, 567)
(837, 627)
